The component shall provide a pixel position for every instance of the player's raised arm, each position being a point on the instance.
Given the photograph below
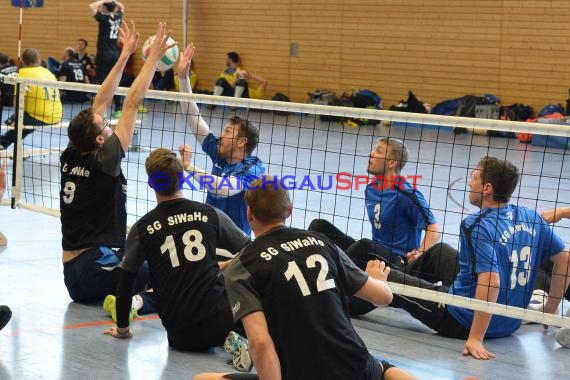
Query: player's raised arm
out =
(135, 96)
(194, 120)
(94, 6)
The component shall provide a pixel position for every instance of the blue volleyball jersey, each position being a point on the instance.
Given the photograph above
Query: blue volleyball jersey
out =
(511, 241)
(398, 216)
(246, 171)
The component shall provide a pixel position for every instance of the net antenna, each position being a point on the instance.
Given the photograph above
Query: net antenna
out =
(24, 4)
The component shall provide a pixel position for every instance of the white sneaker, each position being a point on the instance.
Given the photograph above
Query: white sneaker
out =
(238, 347)
(538, 299)
(242, 360)
(563, 337)
(537, 302)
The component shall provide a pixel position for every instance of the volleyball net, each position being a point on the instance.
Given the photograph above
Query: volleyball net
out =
(322, 157)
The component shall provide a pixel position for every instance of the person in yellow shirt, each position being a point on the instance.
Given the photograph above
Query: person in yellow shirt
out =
(226, 83)
(42, 104)
(257, 92)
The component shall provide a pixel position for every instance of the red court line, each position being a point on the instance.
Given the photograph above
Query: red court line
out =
(101, 323)
(14, 333)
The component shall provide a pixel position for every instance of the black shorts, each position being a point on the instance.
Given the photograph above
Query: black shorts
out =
(241, 376)
(376, 370)
(210, 331)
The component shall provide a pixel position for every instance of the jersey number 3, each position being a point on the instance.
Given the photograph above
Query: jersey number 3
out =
(293, 270)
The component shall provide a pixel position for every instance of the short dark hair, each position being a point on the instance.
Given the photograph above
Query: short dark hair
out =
(82, 132)
(4, 59)
(501, 174)
(267, 200)
(165, 162)
(233, 56)
(31, 57)
(70, 52)
(84, 41)
(110, 6)
(247, 130)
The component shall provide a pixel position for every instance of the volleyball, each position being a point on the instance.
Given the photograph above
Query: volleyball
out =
(169, 57)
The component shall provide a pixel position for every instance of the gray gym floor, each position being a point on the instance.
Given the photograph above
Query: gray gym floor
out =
(51, 337)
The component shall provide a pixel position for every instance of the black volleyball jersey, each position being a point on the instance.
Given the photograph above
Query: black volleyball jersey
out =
(179, 240)
(301, 282)
(86, 60)
(7, 90)
(108, 37)
(73, 70)
(93, 196)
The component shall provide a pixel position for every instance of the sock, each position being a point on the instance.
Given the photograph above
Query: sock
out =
(239, 91)
(137, 302)
(218, 90)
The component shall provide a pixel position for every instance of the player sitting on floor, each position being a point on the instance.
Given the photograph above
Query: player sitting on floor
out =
(502, 246)
(289, 289)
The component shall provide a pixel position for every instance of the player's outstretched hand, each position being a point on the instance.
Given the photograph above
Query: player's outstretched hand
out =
(159, 44)
(185, 154)
(129, 38)
(377, 269)
(476, 349)
(186, 60)
(118, 333)
(413, 255)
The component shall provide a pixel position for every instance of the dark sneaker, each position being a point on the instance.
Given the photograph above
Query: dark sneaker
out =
(5, 315)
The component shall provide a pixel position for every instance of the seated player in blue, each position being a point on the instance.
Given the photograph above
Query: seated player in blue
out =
(554, 216)
(399, 215)
(502, 247)
(234, 165)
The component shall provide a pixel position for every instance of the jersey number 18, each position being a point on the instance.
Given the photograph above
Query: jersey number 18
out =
(194, 250)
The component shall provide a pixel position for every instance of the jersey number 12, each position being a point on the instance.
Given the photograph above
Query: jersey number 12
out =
(293, 270)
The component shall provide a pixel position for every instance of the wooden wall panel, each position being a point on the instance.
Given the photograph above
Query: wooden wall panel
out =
(517, 50)
(258, 30)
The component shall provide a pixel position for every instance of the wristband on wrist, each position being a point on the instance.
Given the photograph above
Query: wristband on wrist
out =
(123, 330)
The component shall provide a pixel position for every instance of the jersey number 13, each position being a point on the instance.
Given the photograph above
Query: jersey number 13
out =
(520, 277)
